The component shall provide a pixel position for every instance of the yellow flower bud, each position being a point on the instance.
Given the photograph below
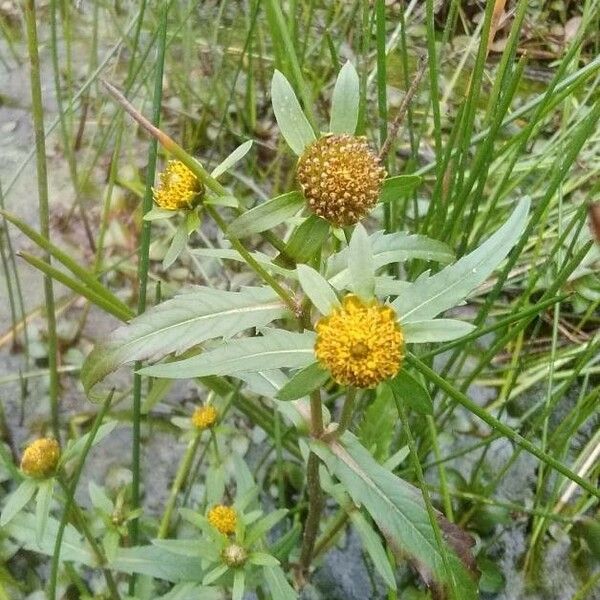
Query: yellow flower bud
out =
(204, 417)
(40, 458)
(223, 518)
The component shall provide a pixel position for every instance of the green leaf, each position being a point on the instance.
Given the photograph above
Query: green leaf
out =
(256, 531)
(266, 215)
(158, 563)
(42, 507)
(387, 249)
(292, 122)
(215, 484)
(192, 591)
(156, 213)
(279, 588)
(315, 286)
(192, 221)
(237, 592)
(213, 575)
(198, 547)
(263, 559)
(397, 187)
(397, 508)
(75, 448)
(186, 320)
(229, 201)
(361, 264)
(409, 389)
(307, 239)
(378, 424)
(372, 544)
(303, 383)
(17, 500)
(492, 578)
(429, 296)
(277, 349)
(99, 498)
(23, 529)
(177, 246)
(229, 254)
(345, 101)
(435, 330)
(232, 159)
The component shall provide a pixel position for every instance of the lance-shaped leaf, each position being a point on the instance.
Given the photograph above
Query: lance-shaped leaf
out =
(428, 297)
(276, 349)
(232, 159)
(435, 330)
(361, 264)
(398, 509)
(345, 101)
(315, 286)
(389, 248)
(292, 122)
(181, 323)
(397, 187)
(266, 215)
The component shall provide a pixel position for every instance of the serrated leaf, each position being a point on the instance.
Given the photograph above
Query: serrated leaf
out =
(307, 239)
(397, 508)
(266, 215)
(409, 389)
(361, 264)
(181, 323)
(293, 124)
(17, 500)
(232, 159)
(278, 585)
(315, 286)
(428, 297)
(157, 562)
(435, 330)
(395, 188)
(177, 246)
(345, 101)
(387, 249)
(278, 349)
(303, 383)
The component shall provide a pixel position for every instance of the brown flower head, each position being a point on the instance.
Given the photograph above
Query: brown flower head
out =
(340, 178)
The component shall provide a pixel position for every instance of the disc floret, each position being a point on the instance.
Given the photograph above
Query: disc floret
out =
(178, 188)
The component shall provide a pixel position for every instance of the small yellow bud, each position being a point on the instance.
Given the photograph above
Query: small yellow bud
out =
(223, 518)
(178, 188)
(40, 458)
(361, 344)
(234, 555)
(204, 417)
(340, 178)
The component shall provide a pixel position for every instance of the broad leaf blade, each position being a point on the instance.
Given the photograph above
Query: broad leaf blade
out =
(345, 101)
(303, 383)
(292, 122)
(428, 297)
(277, 349)
(266, 215)
(410, 390)
(181, 323)
(396, 507)
(307, 239)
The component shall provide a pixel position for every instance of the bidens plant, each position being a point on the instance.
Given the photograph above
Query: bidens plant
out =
(334, 319)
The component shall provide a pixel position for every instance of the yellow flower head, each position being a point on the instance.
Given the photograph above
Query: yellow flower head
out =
(340, 178)
(204, 417)
(361, 344)
(234, 555)
(40, 458)
(178, 188)
(223, 518)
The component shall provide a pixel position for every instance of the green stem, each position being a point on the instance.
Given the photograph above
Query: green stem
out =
(70, 505)
(143, 265)
(347, 412)
(499, 426)
(37, 109)
(182, 473)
